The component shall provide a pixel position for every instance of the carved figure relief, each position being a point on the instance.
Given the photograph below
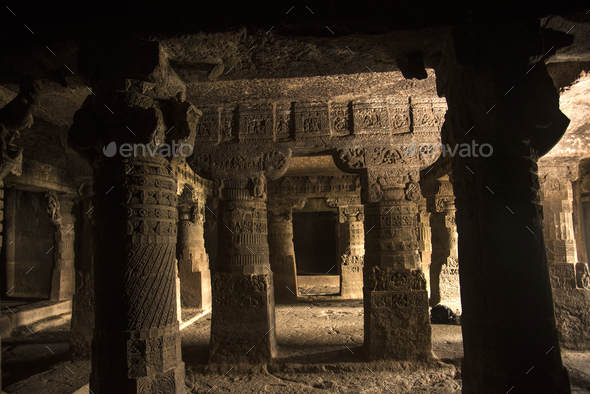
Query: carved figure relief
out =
(240, 291)
(53, 207)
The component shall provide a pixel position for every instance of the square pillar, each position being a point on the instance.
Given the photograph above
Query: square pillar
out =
(193, 261)
(397, 322)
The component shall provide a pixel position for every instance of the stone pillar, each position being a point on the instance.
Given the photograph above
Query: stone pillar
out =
(281, 247)
(136, 345)
(134, 132)
(352, 250)
(556, 197)
(243, 319)
(9, 228)
(569, 279)
(63, 280)
(425, 241)
(397, 324)
(193, 261)
(83, 299)
(503, 112)
(444, 270)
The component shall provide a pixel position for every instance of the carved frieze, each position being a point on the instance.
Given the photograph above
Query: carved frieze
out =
(390, 279)
(380, 116)
(223, 164)
(315, 184)
(427, 116)
(227, 123)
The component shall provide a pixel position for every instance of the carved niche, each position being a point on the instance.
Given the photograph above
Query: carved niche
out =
(282, 121)
(340, 124)
(256, 122)
(311, 119)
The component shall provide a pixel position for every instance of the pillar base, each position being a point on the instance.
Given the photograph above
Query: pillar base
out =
(147, 362)
(242, 322)
(63, 284)
(285, 278)
(351, 277)
(397, 324)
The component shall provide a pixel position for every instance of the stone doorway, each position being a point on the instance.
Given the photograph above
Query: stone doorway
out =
(315, 240)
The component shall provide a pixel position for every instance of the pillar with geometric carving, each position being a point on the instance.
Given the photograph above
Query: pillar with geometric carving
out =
(63, 277)
(352, 250)
(193, 261)
(134, 130)
(136, 343)
(243, 320)
(281, 247)
(397, 324)
(571, 297)
(83, 299)
(444, 269)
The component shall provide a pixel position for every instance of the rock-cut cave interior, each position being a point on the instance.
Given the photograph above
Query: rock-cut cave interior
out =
(281, 197)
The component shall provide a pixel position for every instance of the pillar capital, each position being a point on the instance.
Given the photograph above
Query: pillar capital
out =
(282, 208)
(136, 108)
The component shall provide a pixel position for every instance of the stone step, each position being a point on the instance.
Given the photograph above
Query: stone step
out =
(50, 322)
(27, 315)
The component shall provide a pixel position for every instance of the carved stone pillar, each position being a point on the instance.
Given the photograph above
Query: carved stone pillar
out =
(397, 324)
(558, 229)
(193, 261)
(425, 241)
(569, 279)
(504, 107)
(63, 280)
(281, 247)
(444, 270)
(352, 250)
(134, 132)
(243, 319)
(136, 343)
(83, 299)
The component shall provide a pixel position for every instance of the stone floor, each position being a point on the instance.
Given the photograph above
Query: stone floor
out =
(320, 342)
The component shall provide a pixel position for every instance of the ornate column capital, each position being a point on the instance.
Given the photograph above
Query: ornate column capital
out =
(134, 110)
(282, 208)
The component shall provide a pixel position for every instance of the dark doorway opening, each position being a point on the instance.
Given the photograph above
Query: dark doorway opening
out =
(314, 238)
